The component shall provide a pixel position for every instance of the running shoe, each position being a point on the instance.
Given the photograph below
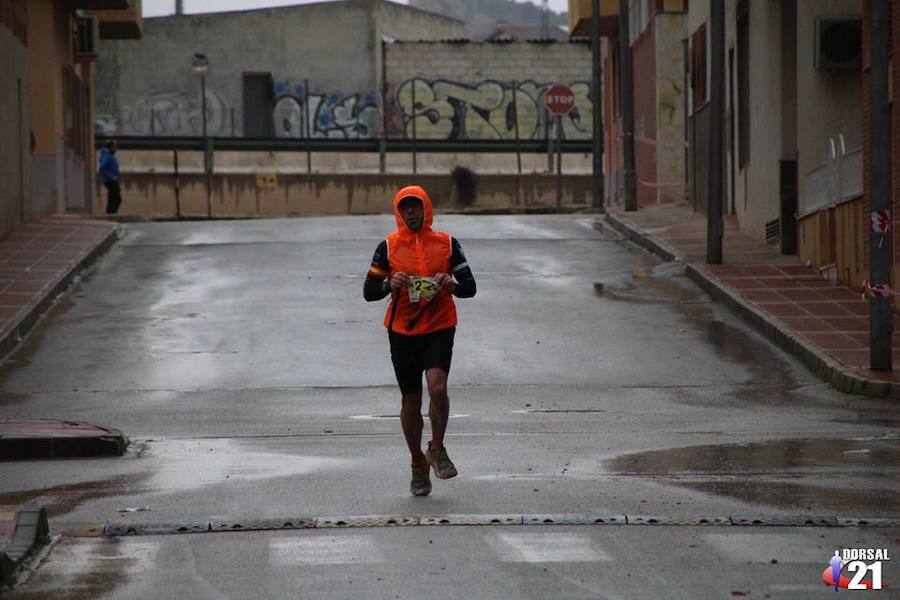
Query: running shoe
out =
(443, 466)
(421, 483)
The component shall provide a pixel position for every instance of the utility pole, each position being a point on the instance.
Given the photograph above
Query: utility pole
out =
(880, 317)
(596, 106)
(627, 93)
(714, 225)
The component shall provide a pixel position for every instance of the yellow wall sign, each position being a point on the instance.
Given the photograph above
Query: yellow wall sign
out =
(267, 181)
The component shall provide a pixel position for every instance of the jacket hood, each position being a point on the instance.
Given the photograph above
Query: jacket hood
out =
(416, 192)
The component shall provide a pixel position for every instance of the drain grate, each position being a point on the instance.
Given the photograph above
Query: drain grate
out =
(789, 521)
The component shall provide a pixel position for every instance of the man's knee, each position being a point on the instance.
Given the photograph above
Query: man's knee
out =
(437, 389)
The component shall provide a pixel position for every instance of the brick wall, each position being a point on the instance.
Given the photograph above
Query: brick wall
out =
(464, 90)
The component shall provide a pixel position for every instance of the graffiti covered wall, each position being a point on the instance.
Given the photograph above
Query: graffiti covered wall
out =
(489, 110)
(483, 90)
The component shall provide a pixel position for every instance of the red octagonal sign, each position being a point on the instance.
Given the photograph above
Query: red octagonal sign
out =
(560, 99)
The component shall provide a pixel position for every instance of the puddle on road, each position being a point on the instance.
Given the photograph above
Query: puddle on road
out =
(810, 458)
(63, 499)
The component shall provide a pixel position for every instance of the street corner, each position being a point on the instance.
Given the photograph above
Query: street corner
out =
(22, 529)
(22, 439)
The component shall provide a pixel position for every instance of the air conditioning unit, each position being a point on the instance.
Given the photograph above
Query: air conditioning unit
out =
(838, 43)
(87, 39)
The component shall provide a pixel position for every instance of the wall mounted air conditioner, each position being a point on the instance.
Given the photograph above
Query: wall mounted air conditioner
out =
(838, 43)
(87, 39)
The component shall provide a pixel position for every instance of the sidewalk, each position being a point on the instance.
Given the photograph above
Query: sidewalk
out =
(38, 262)
(826, 326)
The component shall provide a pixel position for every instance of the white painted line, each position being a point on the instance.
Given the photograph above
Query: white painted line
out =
(330, 550)
(372, 417)
(546, 547)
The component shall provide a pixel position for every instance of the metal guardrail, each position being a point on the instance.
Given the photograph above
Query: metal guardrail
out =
(373, 145)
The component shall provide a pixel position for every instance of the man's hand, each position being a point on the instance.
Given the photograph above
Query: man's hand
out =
(399, 280)
(445, 281)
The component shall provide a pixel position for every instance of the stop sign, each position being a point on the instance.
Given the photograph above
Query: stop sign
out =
(560, 99)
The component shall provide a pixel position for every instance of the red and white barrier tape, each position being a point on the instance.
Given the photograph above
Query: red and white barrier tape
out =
(881, 223)
(876, 290)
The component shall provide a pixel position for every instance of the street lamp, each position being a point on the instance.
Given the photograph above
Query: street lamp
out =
(201, 66)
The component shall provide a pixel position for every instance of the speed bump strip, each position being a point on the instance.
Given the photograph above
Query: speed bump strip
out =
(869, 522)
(112, 530)
(262, 524)
(361, 521)
(789, 521)
(563, 519)
(472, 520)
(649, 520)
(222, 525)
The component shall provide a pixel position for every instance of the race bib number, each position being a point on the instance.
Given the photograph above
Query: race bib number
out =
(422, 288)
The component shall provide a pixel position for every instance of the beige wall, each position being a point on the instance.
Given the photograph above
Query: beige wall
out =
(48, 29)
(829, 103)
(756, 198)
(670, 29)
(15, 165)
(241, 195)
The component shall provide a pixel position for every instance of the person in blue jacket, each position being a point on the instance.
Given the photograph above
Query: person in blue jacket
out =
(109, 173)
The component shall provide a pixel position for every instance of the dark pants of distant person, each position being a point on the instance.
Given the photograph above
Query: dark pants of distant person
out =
(114, 197)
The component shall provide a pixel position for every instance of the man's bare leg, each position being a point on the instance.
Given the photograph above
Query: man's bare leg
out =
(411, 420)
(439, 405)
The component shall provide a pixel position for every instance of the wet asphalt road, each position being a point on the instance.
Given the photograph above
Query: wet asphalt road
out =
(256, 383)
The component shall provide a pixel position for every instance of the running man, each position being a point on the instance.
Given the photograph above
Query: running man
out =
(422, 269)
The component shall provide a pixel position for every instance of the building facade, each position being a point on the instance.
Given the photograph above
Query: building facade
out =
(656, 31)
(47, 53)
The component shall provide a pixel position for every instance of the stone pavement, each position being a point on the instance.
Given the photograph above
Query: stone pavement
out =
(826, 326)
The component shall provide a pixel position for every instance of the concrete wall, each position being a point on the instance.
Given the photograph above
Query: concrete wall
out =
(830, 103)
(757, 198)
(670, 29)
(464, 90)
(15, 155)
(152, 195)
(331, 44)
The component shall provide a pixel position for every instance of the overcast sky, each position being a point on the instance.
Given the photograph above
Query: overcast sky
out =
(155, 8)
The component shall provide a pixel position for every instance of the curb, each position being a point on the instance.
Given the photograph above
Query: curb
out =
(111, 443)
(32, 529)
(13, 335)
(826, 368)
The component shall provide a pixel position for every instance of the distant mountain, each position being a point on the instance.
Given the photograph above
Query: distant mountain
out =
(483, 16)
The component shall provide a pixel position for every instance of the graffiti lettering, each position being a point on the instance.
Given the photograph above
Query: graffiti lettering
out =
(169, 113)
(448, 110)
(330, 115)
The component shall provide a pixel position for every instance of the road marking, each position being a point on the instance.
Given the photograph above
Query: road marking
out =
(546, 547)
(328, 550)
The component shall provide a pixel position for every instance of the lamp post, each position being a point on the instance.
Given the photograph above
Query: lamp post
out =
(201, 66)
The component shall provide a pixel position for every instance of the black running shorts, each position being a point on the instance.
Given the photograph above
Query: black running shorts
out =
(412, 355)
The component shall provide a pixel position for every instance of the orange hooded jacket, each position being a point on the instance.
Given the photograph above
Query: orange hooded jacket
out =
(425, 252)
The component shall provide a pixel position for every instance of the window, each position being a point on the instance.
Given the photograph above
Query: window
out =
(743, 83)
(698, 66)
